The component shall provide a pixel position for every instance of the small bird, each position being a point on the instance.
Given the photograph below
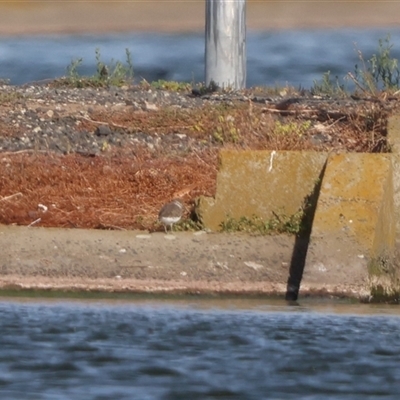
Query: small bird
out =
(170, 213)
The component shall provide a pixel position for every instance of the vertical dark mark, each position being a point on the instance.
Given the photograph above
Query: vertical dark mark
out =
(302, 241)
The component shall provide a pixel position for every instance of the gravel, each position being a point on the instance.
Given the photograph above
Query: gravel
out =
(43, 117)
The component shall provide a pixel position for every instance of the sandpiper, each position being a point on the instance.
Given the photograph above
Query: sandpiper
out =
(170, 213)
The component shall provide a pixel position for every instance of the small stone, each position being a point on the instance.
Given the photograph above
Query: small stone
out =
(222, 265)
(285, 264)
(42, 207)
(169, 237)
(253, 265)
(150, 106)
(320, 138)
(103, 130)
(50, 113)
(143, 236)
(107, 169)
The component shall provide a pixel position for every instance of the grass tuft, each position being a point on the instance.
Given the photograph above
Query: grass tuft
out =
(172, 86)
(277, 224)
(116, 73)
(378, 74)
(328, 87)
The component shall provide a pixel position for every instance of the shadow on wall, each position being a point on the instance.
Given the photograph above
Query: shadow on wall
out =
(299, 254)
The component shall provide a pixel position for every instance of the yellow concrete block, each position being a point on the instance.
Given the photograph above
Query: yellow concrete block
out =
(353, 233)
(259, 182)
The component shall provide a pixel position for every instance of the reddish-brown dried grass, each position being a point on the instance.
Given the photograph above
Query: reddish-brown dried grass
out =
(112, 192)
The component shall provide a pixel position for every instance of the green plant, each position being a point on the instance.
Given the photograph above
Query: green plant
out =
(72, 69)
(202, 89)
(114, 74)
(291, 224)
(171, 85)
(380, 72)
(328, 87)
(278, 223)
(188, 225)
(117, 73)
(252, 224)
(10, 97)
(191, 225)
(226, 130)
(291, 128)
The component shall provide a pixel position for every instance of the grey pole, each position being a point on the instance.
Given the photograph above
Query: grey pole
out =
(225, 53)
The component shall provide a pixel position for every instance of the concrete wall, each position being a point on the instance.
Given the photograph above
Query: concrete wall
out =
(260, 182)
(353, 236)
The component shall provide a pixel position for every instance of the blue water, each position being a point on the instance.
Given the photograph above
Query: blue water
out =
(276, 57)
(160, 350)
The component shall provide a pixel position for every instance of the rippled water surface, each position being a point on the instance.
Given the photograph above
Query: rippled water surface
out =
(279, 57)
(78, 350)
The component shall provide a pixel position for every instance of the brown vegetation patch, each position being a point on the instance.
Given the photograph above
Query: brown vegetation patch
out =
(295, 126)
(112, 192)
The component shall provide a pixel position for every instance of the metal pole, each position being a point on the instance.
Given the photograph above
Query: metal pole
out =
(225, 53)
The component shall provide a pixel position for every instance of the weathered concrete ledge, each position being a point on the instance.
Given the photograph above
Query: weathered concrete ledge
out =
(120, 261)
(127, 261)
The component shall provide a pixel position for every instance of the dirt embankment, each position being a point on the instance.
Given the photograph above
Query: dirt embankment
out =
(109, 158)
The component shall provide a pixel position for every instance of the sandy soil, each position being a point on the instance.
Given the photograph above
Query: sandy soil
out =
(38, 17)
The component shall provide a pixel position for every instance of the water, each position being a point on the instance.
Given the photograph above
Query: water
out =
(193, 350)
(278, 57)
